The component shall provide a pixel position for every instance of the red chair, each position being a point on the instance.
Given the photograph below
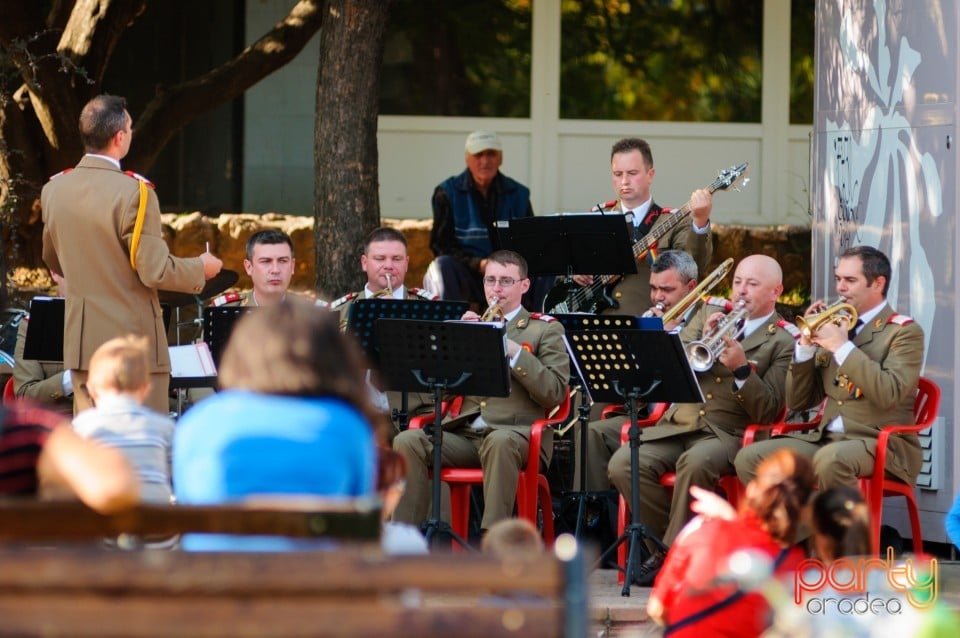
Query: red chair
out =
(8, 393)
(879, 485)
(729, 484)
(532, 486)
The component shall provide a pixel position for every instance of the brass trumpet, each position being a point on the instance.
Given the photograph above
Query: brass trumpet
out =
(681, 307)
(493, 312)
(837, 313)
(704, 352)
(385, 292)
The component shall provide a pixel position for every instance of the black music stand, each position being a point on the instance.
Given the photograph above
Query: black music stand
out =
(468, 357)
(635, 366)
(574, 324)
(218, 323)
(364, 314)
(44, 340)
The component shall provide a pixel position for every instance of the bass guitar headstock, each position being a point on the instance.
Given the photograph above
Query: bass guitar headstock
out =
(730, 177)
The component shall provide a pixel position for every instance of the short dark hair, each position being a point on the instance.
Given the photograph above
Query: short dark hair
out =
(384, 233)
(508, 257)
(100, 120)
(875, 264)
(840, 517)
(628, 144)
(267, 236)
(679, 260)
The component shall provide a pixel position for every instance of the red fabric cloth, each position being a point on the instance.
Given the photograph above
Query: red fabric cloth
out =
(24, 430)
(686, 583)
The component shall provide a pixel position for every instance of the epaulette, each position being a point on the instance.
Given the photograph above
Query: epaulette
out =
(608, 204)
(141, 178)
(542, 317)
(900, 320)
(63, 172)
(224, 299)
(424, 294)
(719, 302)
(350, 296)
(790, 328)
(322, 304)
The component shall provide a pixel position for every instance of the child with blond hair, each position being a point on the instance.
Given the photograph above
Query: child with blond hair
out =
(118, 383)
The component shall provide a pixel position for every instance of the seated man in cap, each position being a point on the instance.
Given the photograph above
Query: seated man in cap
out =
(465, 208)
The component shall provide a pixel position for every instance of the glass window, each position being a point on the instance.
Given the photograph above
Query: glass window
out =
(801, 61)
(457, 57)
(667, 60)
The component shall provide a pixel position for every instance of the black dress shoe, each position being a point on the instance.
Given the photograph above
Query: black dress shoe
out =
(648, 570)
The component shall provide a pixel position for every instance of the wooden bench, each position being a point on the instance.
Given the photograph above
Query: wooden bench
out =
(355, 590)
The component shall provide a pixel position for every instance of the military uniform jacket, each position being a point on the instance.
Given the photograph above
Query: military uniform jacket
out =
(875, 386)
(729, 410)
(343, 304)
(247, 300)
(89, 215)
(538, 381)
(633, 291)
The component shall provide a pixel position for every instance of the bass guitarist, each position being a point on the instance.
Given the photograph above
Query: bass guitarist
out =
(632, 169)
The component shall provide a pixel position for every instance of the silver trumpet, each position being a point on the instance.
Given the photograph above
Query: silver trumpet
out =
(704, 352)
(651, 313)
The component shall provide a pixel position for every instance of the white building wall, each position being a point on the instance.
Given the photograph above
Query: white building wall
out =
(565, 162)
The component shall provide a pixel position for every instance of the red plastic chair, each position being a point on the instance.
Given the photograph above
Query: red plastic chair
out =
(8, 393)
(532, 486)
(878, 486)
(729, 484)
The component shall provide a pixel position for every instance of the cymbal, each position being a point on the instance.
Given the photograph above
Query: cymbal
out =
(214, 286)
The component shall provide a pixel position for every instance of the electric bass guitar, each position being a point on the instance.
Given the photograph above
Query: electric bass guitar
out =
(568, 296)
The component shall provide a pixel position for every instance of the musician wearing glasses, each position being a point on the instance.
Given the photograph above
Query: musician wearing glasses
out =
(868, 373)
(742, 379)
(385, 262)
(632, 171)
(493, 432)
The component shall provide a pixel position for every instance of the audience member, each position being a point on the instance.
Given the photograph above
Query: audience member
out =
(512, 538)
(292, 419)
(118, 384)
(43, 381)
(690, 595)
(396, 538)
(465, 209)
(493, 432)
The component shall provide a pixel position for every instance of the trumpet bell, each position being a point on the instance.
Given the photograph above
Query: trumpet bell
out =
(836, 313)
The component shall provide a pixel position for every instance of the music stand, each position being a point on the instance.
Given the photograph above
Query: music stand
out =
(469, 357)
(635, 366)
(364, 314)
(44, 340)
(572, 324)
(218, 323)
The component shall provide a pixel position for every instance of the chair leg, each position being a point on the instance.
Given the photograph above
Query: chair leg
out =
(546, 506)
(460, 510)
(622, 551)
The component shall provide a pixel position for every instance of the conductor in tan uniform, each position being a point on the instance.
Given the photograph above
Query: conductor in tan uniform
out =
(493, 432)
(89, 215)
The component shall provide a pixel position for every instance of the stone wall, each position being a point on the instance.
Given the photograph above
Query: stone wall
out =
(227, 235)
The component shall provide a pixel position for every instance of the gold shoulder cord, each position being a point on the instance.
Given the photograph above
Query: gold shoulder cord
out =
(138, 225)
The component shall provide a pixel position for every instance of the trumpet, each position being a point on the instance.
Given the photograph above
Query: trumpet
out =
(385, 292)
(704, 352)
(651, 313)
(493, 312)
(681, 307)
(836, 313)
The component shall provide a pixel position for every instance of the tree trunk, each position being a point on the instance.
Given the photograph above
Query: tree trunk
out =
(347, 205)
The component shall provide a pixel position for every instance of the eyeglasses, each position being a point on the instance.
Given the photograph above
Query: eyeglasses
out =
(505, 282)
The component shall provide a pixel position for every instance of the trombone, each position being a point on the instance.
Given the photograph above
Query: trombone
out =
(681, 307)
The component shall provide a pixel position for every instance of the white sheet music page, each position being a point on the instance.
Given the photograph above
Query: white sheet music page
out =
(192, 360)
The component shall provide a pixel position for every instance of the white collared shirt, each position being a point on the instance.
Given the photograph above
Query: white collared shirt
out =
(112, 160)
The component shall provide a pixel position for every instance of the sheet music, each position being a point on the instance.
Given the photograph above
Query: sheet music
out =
(192, 360)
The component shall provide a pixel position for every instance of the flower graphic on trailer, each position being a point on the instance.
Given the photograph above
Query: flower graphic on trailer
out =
(901, 175)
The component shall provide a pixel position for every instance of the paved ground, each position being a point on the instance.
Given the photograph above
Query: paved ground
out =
(616, 616)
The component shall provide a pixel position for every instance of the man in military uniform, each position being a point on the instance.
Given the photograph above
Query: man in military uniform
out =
(493, 432)
(868, 374)
(44, 381)
(270, 265)
(101, 231)
(699, 441)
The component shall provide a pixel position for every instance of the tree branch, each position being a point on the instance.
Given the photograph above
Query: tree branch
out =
(176, 106)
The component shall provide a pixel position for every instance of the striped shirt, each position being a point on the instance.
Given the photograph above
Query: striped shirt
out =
(24, 430)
